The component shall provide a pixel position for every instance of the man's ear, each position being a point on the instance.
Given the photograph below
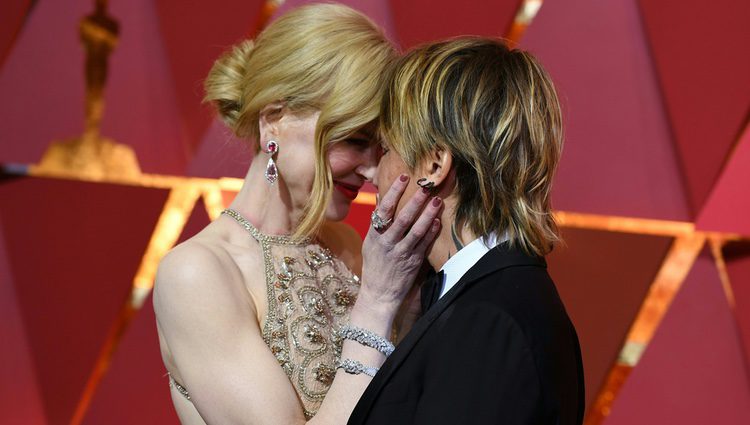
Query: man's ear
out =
(437, 166)
(268, 121)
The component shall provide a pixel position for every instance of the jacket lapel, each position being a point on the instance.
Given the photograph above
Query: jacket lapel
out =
(500, 257)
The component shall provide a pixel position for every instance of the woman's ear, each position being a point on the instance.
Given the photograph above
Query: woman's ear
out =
(437, 166)
(269, 120)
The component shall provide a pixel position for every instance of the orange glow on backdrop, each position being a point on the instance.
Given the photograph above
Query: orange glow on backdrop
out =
(687, 238)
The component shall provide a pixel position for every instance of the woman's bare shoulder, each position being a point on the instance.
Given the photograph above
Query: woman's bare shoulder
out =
(195, 260)
(200, 270)
(344, 242)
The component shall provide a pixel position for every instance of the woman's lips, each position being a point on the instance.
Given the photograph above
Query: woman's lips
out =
(348, 190)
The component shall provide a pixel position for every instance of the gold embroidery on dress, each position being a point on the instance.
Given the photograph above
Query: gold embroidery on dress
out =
(310, 294)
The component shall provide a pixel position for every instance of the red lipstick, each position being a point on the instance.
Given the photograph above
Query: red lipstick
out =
(350, 191)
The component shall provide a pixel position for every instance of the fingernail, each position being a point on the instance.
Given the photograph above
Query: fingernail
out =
(403, 177)
(425, 190)
(436, 202)
(435, 224)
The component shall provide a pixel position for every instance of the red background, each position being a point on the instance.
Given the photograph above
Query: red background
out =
(656, 99)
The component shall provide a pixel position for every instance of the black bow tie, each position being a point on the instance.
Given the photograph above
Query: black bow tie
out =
(431, 290)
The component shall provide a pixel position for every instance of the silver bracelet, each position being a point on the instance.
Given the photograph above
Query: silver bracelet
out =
(367, 338)
(355, 368)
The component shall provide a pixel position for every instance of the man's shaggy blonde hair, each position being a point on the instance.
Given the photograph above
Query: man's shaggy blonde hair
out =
(496, 111)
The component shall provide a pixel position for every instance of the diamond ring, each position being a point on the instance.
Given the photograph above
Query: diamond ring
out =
(378, 223)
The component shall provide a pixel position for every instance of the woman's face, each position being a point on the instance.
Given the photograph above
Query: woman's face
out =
(352, 161)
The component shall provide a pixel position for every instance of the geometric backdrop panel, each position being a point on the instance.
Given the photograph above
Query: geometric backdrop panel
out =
(727, 208)
(737, 258)
(603, 278)
(693, 370)
(76, 248)
(135, 389)
(136, 374)
(619, 157)
(20, 398)
(194, 34)
(700, 52)
(420, 21)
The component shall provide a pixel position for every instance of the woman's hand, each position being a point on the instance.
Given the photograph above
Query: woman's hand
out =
(392, 257)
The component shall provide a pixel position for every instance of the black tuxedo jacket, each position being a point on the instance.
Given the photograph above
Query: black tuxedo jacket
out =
(498, 348)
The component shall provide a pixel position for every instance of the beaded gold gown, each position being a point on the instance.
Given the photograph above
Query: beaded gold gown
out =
(310, 294)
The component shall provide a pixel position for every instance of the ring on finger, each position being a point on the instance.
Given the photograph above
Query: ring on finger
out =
(378, 223)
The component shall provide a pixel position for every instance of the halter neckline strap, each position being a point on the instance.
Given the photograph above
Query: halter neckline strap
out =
(258, 235)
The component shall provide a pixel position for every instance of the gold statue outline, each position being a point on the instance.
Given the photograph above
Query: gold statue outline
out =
(91, 155)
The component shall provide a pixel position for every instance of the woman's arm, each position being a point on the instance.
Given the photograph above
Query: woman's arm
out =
(209, 325)
(217, 346)
(391, 261)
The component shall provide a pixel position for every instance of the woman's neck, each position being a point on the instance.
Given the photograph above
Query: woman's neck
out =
(268, 207)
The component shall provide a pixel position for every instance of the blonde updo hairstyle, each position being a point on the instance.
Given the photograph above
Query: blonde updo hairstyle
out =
(496, 111)
(321, 57)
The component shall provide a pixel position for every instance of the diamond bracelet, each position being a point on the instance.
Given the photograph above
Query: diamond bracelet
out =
(354, 367)
(367, 338)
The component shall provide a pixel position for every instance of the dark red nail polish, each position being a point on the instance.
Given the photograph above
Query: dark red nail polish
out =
(425, 190)
(403, 177)
(436, 202)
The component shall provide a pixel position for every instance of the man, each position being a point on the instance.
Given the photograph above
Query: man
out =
(479, 125)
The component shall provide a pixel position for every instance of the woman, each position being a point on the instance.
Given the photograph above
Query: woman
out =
(479, 125)
(252, 311)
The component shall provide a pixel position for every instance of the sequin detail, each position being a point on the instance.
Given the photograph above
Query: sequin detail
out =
(176, 385)
(310, 294)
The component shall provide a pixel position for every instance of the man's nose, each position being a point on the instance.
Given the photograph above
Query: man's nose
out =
(369, 164)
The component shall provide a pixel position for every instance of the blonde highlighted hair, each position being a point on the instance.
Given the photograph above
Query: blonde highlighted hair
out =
(322, 57)
(497, 112)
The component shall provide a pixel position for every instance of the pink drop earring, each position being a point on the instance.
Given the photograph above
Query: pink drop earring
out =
(272, 173)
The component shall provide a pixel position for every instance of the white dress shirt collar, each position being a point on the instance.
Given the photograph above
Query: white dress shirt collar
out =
(457, 266)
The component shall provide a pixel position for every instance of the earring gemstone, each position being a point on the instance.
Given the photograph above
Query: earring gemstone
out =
(271, 171)
(272, 147)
